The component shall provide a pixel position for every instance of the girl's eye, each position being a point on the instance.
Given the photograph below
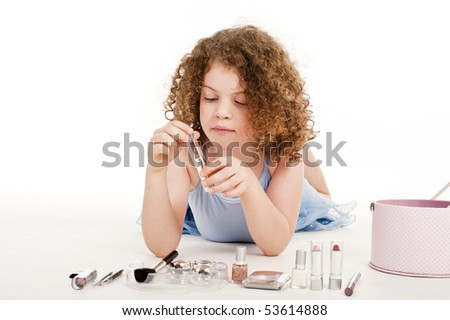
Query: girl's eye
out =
(210, 99)
(241, 103)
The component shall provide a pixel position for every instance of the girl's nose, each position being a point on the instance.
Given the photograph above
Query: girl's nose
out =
(223, 110)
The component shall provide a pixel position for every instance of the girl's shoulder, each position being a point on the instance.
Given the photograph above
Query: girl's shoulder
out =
(282, 165)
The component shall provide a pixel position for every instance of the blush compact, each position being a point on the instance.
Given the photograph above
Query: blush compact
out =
(270, 280)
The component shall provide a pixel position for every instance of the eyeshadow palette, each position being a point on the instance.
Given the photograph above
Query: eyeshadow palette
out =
(271, 280)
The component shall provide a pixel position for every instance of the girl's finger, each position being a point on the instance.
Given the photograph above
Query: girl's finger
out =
(214, 165)
(182, 126)
(220, 175)
(162, 137)
(177, 129)
(235, 192)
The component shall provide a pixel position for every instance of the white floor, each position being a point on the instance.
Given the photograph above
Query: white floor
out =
(42, 243)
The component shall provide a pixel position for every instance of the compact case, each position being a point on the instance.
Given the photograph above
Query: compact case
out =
(270, 280)
(411, 237)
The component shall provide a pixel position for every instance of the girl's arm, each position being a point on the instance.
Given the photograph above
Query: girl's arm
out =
(315, 176)
(164, 208)
(167, 186)
(271, 217)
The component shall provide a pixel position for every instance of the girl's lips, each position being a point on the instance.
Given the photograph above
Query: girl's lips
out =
(222, 130)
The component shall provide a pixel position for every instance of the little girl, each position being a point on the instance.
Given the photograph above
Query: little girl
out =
(241, 97)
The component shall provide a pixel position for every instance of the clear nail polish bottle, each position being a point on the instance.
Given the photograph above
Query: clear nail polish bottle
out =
(299, 274)
(239, 270)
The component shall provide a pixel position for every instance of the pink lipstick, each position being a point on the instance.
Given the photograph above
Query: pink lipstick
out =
(316, 265)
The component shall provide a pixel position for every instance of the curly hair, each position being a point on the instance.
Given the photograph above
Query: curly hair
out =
(278, 105)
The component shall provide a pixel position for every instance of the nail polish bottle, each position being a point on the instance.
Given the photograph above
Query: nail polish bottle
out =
(239, 270)
(299, 272)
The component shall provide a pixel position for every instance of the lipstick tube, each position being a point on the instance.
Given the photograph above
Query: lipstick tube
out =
(80, 279)
(316, 265)
(336, 260)
(351, 285)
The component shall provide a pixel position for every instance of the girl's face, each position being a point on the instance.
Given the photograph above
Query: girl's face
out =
(223, 107)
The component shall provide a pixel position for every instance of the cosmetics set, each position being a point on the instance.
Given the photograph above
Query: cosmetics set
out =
(301, 278)
(300, 274)
(206, 274)
(270, 280)
(203, 274)
(212, 275)
(82, 278)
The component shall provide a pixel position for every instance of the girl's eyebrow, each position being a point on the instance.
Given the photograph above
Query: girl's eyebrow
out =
(211, 88)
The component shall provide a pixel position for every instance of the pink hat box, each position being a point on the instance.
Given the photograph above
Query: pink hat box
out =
(411, 237)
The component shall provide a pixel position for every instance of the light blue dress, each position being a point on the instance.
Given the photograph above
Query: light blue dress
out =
(222, 219)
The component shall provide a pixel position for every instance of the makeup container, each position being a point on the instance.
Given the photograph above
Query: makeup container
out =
(411, 237)
(79, 280)
(178, 270)
(336, 260)
(209, 273)
(148, 274)
(270, 280)
(316, 265)
(239, 269)
(179, 266)
(221, 271)
(203, 269)
(299, 274)
(182, 276)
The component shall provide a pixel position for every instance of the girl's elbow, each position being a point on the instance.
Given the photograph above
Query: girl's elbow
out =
(273, 251)
(158, 252)
(161, 250)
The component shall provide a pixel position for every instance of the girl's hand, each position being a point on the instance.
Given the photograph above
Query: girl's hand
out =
(166, 141)
(228, 176)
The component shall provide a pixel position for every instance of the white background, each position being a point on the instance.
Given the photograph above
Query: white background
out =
(77, 74)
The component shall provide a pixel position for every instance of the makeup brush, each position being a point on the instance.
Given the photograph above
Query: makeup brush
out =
(146, 274)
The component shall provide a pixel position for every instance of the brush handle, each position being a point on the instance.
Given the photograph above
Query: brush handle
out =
(169, 258)
(166, 260)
